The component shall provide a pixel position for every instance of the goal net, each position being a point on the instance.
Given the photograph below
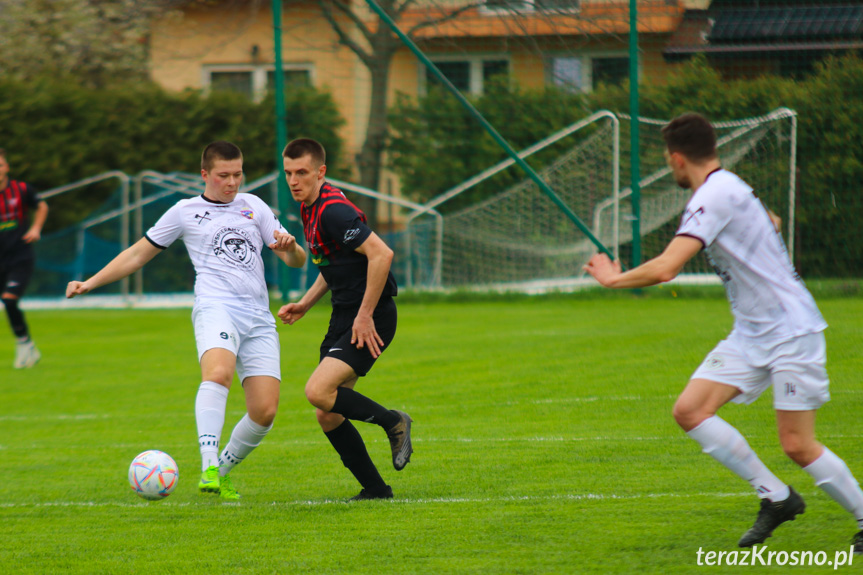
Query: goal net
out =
(518, 239)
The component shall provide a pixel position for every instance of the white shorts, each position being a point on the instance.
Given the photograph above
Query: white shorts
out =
(795, 368)
(248, 333)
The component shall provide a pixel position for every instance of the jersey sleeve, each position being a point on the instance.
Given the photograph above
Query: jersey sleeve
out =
(706, 215)
(167, 230)
(31, 198)
(268, 222)
(342, 223)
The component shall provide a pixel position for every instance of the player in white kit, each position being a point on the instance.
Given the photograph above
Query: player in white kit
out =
(224, 232)
(777, 339)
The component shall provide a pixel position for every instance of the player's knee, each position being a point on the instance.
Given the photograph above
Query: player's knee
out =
(221, 375)
(264, 415)
(801, 450)
(685, 416)
(319, 397)
(327, 419)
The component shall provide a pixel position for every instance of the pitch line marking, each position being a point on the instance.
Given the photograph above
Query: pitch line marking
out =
(405, 501)
(681, 438)
(558, 400)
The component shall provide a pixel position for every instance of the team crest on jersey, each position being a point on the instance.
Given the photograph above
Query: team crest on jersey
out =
(234, 246)
(248, 214)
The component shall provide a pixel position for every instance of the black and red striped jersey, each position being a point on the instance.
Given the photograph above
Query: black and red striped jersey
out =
(16, 201)
(334, 227)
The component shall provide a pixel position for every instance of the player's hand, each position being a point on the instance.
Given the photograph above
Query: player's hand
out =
(76, 288)
(285, 242)
(602, 268)
(364, 333)
(289, 313)
(32, 236)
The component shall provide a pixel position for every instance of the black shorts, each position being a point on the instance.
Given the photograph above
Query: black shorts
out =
(337, 342)
(15, 276)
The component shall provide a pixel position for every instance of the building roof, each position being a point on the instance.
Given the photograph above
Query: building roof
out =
(811, 27)
(590, 19)
(788, 23)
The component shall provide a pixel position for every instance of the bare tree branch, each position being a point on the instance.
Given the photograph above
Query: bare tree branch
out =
(348, 11)
(361, 53)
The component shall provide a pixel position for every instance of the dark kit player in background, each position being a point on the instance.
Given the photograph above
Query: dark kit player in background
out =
(17, 259)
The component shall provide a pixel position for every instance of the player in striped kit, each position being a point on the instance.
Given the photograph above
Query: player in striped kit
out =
(777, 339)
(17, 236)
(354, 264)
(224, 232)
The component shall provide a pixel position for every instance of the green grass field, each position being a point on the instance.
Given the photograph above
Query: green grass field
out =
(543, 442)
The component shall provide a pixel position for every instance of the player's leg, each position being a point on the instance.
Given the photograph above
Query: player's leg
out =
(13, 282)
(800, 387)
(341, 362)
(349, 444)
(217, 373)
(258, 366)
(262, 402)
(830, 473)
(695, 411)
(216, 339)
(327, 391)
(729, 374)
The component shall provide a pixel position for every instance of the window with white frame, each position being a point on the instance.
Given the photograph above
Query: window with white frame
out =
(497, 6)
(583, 73)
(254, 80)
(469, 74)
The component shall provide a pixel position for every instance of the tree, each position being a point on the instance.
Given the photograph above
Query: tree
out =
(96, 42)
(375, 44)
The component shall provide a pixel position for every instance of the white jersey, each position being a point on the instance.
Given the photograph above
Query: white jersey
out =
(225, 242)
(768, 298)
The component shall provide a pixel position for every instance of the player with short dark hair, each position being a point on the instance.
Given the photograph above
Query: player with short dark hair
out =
(17, 259)
(354, 264)
(777, 339)
(224, 232)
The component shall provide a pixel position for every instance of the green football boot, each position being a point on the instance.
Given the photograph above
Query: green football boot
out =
(227, 491)
(209, 480)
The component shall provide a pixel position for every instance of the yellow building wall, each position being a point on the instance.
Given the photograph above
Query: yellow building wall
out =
(182, 46)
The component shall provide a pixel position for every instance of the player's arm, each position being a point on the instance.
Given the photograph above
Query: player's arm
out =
(288, 250)
(662, 268)
(35, 232)
(289, 313)
(128, 262)
(380, 258)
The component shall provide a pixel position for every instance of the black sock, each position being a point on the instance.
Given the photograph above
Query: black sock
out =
(357, 406)
(349, 444)
(16, 318)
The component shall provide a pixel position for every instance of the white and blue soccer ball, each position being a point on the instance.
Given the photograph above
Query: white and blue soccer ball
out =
(153, 475)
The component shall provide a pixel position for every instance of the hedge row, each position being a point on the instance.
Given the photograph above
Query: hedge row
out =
(56, 133)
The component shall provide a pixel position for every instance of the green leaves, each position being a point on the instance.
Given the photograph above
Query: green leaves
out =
(56, 133)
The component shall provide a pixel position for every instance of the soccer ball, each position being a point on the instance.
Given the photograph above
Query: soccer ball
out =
(153, 475)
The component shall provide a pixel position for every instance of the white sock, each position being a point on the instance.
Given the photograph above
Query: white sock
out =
(725, 444)
(210, 416)
(247, 435)
(833, 476)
